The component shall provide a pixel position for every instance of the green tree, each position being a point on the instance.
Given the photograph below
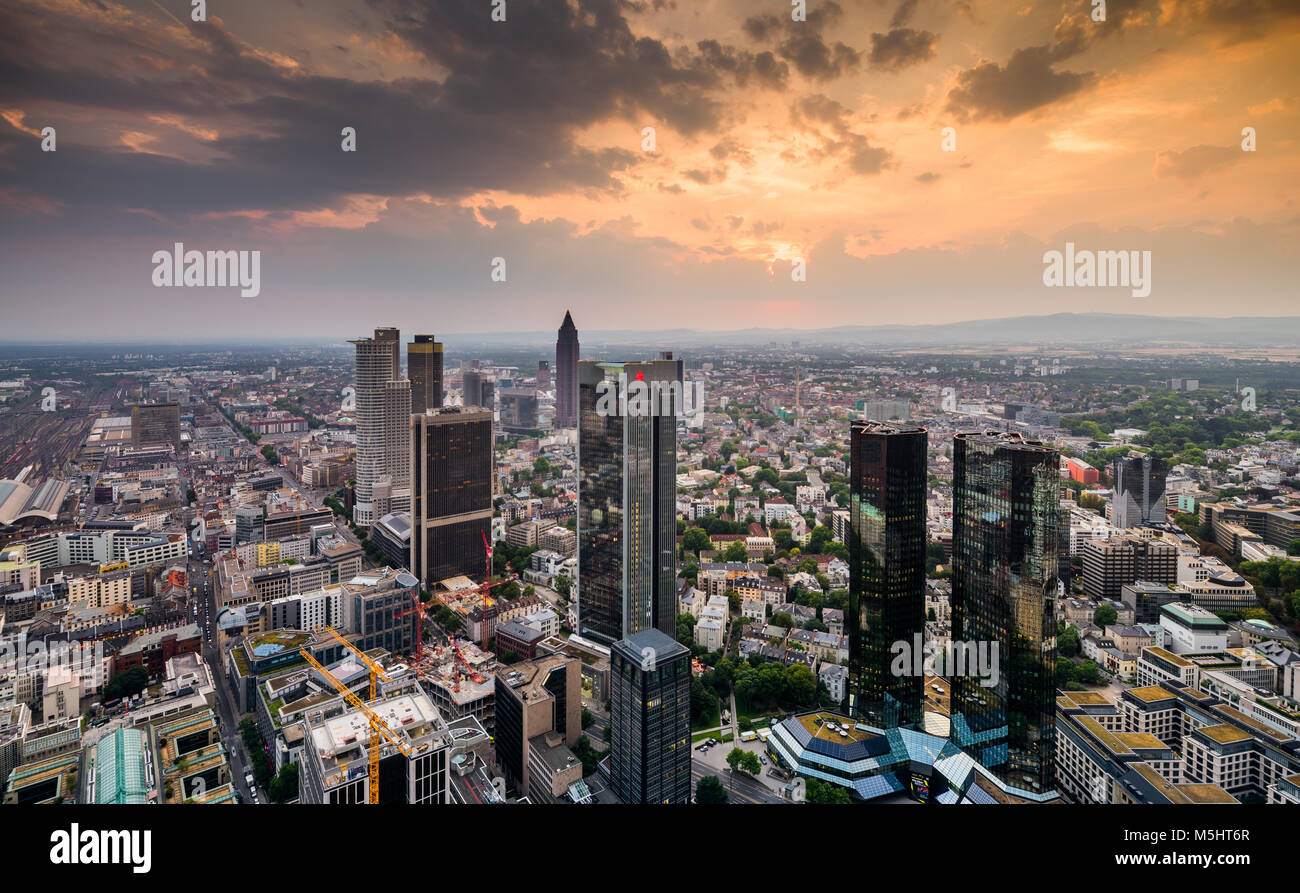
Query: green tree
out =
(271, 456)
(743, 761)
(1105, 616)
(285, 785)
(126, 684)
(695, 540)
(819, 791)
(736, 551)
(710, 790)
(1067, 642)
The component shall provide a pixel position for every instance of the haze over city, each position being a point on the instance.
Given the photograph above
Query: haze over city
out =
(774, 141)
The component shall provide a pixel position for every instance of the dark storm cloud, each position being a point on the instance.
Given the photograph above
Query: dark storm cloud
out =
(1027, 82)
(901, 48)
(1030, 80)
(801, 43)
(500, 109)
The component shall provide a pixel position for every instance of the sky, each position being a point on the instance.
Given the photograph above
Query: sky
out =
(798, 174)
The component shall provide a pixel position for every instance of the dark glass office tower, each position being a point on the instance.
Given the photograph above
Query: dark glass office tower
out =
(451, 491)
(886, 570)
(479, 390)
(650, 719)
(424, 368)
(627, 492)
(1139, 490)
(1006, 508)
(566, 374)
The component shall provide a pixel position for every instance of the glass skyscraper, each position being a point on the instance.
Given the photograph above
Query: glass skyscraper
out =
(1006, 508)
(886, 544)
(1139, 490)
(424, 368)
(650, 719)
(627, 501)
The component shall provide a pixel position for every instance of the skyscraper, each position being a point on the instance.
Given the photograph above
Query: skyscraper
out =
(887, 544)
(543, 375)
(627, 492)
(383, 411)
(479, 389)
(424, 368)
(650, 719)
(1006, 507)
(451, 491)
(566, 374)
(153, 423)
(1139, 490)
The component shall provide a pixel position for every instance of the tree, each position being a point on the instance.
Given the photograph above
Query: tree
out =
(736, 551)
(1067, 642)
(695, 539)
(781, 618)
(744, 761)
(126, 684)
(819, 791)
(285, 785)
(271, 456)
(1293, 547)
(1105, 616)
(710, 791)
(562, 585)
(686, 629)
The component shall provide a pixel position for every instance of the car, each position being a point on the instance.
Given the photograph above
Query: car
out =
(763, 760)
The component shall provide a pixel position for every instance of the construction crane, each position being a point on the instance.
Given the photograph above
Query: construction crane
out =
(419, 633)
(488, 586)
(376, 671)
(378, 728)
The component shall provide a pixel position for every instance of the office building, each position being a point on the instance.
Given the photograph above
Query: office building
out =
(543, 375)
(1145, 599)
(887, 545)
(1006, 523)
(534, 698)
(478, 389)
(627, 492)
(519, 410)
(335, 755)
(153, 423)
(1139, 491)
(451, 486)
(1111, 563)
(424, 369)
(383, 409)
(566, 374)
(378, 609)
(650, 719)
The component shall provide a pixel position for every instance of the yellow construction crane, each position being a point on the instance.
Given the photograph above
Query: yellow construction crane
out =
(376, 671)
(378, 728)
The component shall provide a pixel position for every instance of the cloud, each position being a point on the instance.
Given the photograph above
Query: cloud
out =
(901, 48)
(1195, 162)
(1027, 83)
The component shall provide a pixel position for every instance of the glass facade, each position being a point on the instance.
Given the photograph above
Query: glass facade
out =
(451, 491)
(1006, 508)
(650, 719)
(887, 542)
(627, 510)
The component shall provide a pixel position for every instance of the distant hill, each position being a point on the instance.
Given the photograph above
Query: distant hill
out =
(1074, 328)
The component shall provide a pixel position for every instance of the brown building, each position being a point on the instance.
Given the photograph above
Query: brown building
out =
(153, 423)
(153, 649)
(538, 722)
(1108, 565)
